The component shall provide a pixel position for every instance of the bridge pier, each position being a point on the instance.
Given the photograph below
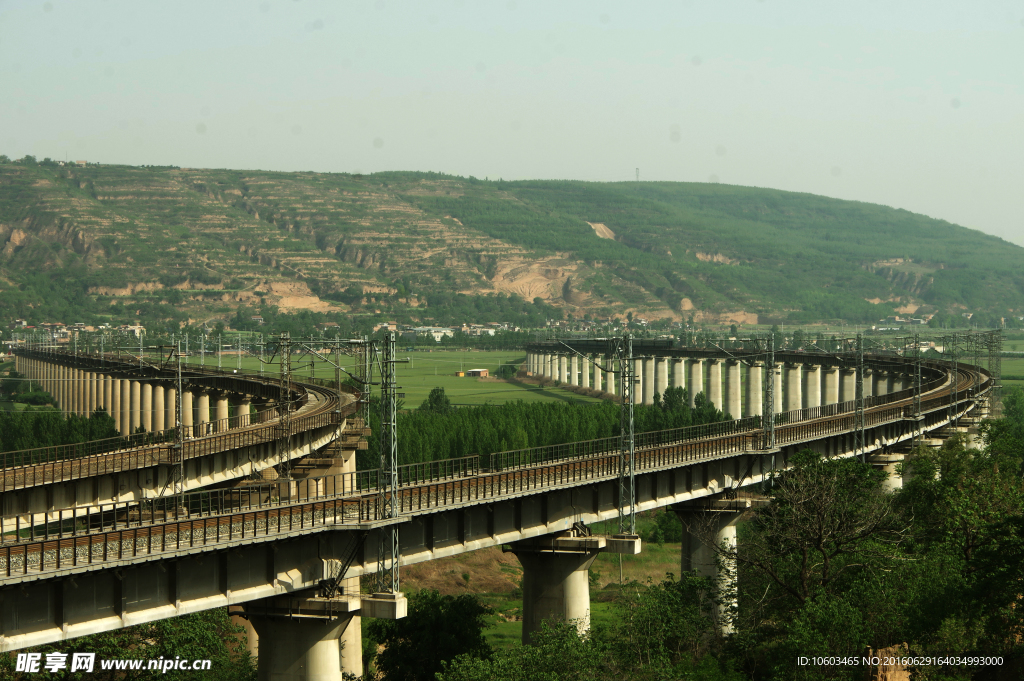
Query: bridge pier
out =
(648, 380)
(830, 385)
(696, 378)
(732, 389)
(705, 522)
(307, 639)
(794, 398)
(812, 386)
(556, 578)
(678, 373)
(715, 383)
(610, 377)
(585, 371)
(754, 398)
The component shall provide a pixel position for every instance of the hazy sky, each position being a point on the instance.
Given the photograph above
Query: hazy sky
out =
(914, 104)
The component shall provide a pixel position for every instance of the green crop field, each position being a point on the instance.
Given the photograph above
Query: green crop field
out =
(422, 371)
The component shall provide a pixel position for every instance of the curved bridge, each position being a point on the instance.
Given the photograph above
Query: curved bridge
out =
(98, 566)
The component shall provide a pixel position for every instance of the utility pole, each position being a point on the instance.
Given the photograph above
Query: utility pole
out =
(388, 551)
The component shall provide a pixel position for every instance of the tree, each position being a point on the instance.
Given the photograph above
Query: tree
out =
(827, 519)
(437, 402)
(437, 629)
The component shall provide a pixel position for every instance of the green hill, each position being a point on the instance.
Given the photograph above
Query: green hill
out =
(77, 242)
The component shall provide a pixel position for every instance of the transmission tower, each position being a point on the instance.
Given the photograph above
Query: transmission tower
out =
(622, 351)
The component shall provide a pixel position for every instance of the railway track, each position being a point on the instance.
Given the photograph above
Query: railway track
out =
(351, 500)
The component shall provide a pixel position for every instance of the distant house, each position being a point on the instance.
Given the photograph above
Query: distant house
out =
(256, 318)
(481, 373)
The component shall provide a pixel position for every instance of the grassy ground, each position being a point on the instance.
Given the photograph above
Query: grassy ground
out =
(424, 371)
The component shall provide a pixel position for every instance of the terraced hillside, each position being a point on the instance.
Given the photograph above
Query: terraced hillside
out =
(202, 243)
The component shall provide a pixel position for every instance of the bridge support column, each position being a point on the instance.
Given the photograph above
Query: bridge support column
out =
(661, 376)
(115, 401)
(794, 399)
(648, 384)
(563, 369)
(574, 370)
(696, 378)
(309, 648)
(556, 586)
(203, 412)
(126, 406)
(887, 461)
(585, 371)
(702, 525)
(895, 382)
(170, 407)
(187, 413)
(159, 409)
(812, 385)
(869, 382)
(715, 383)
(222, 413)
(754, 387)
(880, 383)
(847, 385)
(609, 376)
(596, 382)
(90, 397)
(136, 405)
(678, 373)
(147, 406)
(830, 385)
(108, 385)
(732, 388)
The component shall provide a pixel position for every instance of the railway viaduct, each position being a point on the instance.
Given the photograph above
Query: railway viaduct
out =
(164, 522)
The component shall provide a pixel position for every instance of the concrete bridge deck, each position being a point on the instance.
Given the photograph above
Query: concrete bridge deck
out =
(132, 562)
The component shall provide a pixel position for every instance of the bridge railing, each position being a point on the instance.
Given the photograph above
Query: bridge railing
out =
(438, 471)
(521, 458)
(76, 522)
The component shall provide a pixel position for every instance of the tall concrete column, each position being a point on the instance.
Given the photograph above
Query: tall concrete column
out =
(794, 399)
(147, 407)
(830, 385)
(895, 382)
(126, 406)
(638, 381)
(563, 369)
(754, 390)
(574, 370)
(79, 392)
(115, 402)
(648, 380)
(187, 412)
(136, 406)
(556, 587)
(308, 649)
(812, 385)
(661, 376)
(222, 412)
(203, 412)
(609, 376)
(777, 388)
(108, 400)
(869, 382)
(242, 409)
(715, 383)
(551, 366)
(159, 409)
(696, 378)
(678, 373)
(585, 372)
(597, 373)
(170, 407)
(888, 462)
(732, 388)
(90, 392)
(847, 385)
(880, 383)
(702, 559)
